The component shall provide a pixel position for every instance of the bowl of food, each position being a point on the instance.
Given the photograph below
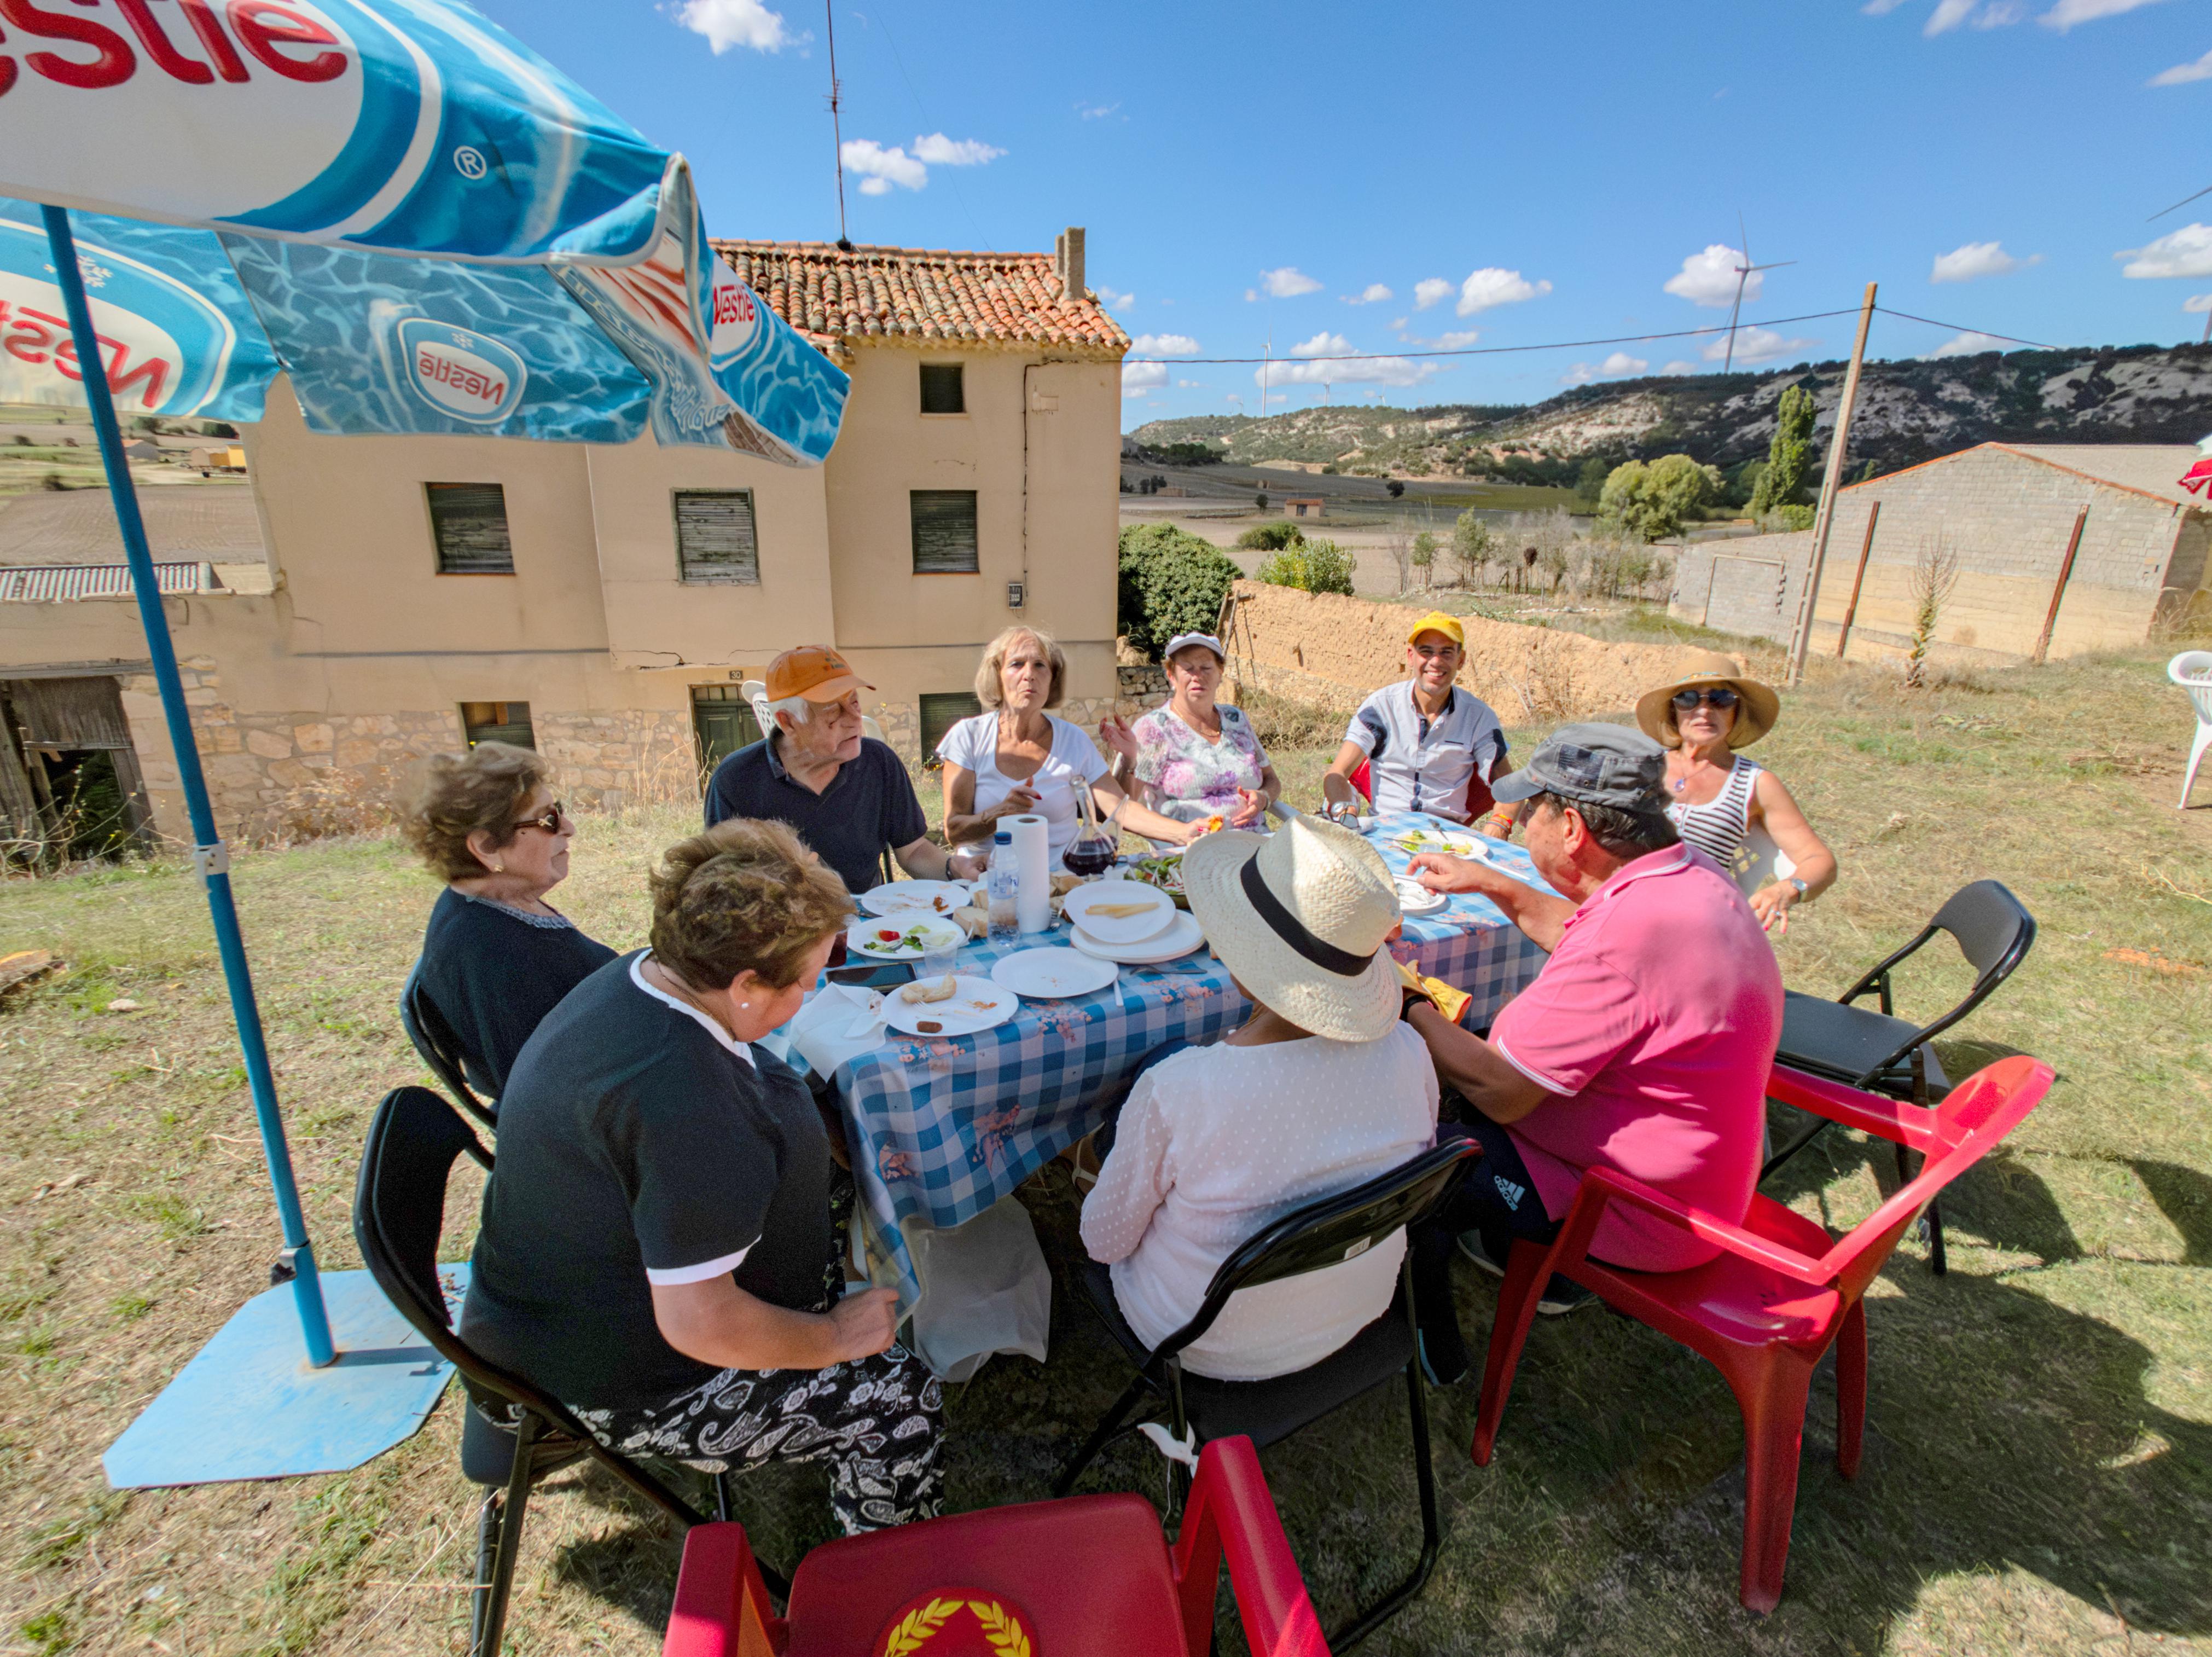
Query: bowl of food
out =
(1164, 871)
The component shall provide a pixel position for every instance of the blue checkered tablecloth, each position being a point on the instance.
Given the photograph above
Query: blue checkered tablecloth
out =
(941, 1128)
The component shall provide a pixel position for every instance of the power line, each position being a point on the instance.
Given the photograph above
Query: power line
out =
(1907, 316)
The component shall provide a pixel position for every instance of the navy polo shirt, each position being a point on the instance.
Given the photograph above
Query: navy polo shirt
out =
(870, 804)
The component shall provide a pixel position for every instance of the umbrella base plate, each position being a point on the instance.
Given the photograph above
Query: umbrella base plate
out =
(248, 1406)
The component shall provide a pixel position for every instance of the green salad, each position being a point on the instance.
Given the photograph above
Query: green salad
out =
(1165, 872)
(890, 940)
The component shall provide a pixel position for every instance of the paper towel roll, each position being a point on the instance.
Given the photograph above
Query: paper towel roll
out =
(1033, 868)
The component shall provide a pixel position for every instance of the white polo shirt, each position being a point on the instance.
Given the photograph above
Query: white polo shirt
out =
(1418, 763)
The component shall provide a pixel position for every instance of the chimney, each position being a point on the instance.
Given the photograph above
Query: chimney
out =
(1067, 259)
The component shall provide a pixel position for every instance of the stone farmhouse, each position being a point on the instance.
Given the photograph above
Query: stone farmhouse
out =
(360, 601)
(2060, 549)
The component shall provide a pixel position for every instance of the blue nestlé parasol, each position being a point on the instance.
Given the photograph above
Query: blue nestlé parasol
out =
(428, 229)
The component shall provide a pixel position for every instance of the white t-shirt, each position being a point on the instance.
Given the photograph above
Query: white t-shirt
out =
(973, 745)
(1218, 1142)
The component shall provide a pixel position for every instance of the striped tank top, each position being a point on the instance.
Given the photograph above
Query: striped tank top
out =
(1717, 826)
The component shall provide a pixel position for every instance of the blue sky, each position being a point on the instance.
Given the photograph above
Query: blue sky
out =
(1551, 172)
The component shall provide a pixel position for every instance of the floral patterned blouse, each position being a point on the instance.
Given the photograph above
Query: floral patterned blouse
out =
(1191, 777)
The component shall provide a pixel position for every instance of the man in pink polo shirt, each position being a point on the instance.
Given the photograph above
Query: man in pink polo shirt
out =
(1644, 1044)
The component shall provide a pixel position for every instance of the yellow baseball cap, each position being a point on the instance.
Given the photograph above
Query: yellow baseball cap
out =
(1437, 622)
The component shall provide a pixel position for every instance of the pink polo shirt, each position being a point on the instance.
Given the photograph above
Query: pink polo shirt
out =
(1656, 1021)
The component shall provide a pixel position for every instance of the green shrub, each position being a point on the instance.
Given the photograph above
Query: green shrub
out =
(1270, 538)
(1171, 582)
(1312, 567)
(1787, 517)
(1654, 500)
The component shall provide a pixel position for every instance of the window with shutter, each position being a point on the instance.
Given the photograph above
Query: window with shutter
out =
(498, 722)
(942, 390)
(469, 523)
(715, 539)
(944, 532)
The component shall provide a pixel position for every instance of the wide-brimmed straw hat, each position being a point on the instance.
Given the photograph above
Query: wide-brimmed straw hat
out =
(1756, 709)
(1300, 917)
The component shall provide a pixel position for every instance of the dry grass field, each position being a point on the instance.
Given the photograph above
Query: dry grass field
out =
(2038, 1468)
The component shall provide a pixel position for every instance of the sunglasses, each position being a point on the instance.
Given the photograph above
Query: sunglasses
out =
(1723, 699)
(551, 822)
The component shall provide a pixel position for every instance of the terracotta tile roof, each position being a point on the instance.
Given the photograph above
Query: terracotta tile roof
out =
(914, 295)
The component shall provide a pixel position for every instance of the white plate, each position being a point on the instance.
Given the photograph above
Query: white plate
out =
(1183, 935)
(1052, 974)
(1414, 898)
(1456, 842)
(909, 897)
(1159, 909)
(977, 1004)
(862, 944)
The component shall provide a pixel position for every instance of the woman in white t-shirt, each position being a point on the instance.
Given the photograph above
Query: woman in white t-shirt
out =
(1018, 758)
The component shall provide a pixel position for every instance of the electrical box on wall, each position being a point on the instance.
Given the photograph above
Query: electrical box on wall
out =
(1014, 595)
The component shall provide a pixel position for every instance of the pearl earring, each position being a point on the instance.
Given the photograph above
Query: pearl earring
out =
(499, 869)
(745, 1004)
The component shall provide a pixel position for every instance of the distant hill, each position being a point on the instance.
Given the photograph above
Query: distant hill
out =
(1909, 411)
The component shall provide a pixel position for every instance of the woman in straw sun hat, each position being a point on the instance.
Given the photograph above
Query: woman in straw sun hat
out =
(1715, 796)
(1321, 1088)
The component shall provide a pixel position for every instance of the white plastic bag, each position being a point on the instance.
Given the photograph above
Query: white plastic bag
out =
(985, 1289)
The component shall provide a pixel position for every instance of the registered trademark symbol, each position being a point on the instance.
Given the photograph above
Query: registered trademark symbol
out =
(468, 162)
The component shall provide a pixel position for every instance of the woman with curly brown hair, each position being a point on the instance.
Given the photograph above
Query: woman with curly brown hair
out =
(656, 1231)
(496, 957)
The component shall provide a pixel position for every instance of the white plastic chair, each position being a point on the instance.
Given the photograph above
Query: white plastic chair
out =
(756, 692)
(2192, 671)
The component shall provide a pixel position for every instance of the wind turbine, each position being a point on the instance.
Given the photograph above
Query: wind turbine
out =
(1743, 274)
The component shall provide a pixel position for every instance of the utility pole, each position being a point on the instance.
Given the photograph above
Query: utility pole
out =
(1839, 439)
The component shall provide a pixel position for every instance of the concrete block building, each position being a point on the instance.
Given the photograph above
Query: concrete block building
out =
(2104, 532)
(360, 602)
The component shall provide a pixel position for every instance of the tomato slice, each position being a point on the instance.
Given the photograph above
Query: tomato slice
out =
(887, 936)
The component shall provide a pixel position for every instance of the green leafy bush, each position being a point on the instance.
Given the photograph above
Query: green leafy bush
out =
(1788, 517)
(1171, 582)
(1271, 538)
(1312, 567)
(1654, 500)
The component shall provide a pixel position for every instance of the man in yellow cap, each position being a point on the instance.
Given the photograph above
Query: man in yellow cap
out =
(847, 796)
(1428, 744)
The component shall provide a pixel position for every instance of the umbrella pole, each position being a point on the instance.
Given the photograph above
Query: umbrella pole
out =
(210, 856)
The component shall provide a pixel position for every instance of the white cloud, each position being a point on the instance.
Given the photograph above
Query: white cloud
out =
(727, 23)
(2198, 304)
(1881, 7)
(1398, 323)
(1621, 363)
(1947, 17)
(1677, 366)
(1190, 384)
(2067, 13)
(1138, 378)
(1113, 302)
(1373, 294)
(1164, 345)
(1978, 259)
(1096, 111)
(1373, 370)
(1965, 344)
(1457, 340)
(1428, 290)
(881, 168)
(1491, 286)
(1251, 295)
(1708, 279)
(2183, 253)
(1578, 374)
(1755, 345)
(1323, 344)
(1288, 282)
(940, 151)
(2182, 74)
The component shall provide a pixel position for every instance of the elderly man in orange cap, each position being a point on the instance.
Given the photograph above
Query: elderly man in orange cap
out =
(1428, 744)
(848, 795)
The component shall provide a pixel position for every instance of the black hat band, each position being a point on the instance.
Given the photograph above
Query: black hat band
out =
(1292, 931)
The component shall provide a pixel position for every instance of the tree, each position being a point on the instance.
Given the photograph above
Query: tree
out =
(1589, 481)
(1260, 501)
(1652, 501)
(1424, 554)
(1312, 567)
(1789, 452)
(1171, 582)
(1397, 487)
(1472, 547)
(1271, 538)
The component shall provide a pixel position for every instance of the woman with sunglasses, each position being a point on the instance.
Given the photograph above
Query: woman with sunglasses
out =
(1716, 796)
(496, 958)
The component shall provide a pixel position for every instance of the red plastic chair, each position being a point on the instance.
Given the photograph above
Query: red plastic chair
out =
(1765, 1310)
(1089, 1576)
(1363, 778)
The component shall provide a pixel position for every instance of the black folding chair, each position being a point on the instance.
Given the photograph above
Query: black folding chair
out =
(399, 1212)
(1324, 1233)
(440, 1048)
(1890, 1056)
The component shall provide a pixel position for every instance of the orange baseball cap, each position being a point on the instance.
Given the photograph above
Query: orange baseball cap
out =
(815, 672)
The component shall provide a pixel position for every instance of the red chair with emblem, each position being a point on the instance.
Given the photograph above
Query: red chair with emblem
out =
(1780, 1292)
(1085, 1576)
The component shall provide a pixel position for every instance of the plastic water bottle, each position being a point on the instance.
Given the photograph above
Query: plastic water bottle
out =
(1000, 884)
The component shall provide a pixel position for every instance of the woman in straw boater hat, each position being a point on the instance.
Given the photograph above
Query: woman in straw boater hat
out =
(1715, 795)
(1321, 1088)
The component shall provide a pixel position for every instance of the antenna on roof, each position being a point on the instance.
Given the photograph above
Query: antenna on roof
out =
(836, 131)
(1743, 274)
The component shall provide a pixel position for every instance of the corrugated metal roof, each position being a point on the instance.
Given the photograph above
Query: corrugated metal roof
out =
(215, 522)
(53, 583)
